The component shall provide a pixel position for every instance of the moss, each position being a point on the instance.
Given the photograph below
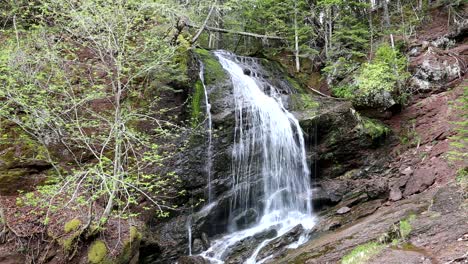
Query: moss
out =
(130, 246)
(304, 102)
(72, 225)
(374, 128)
(196, 104)
(69, 241)
(214, 71)
(362, 253)
(97, 252)
(405, 226)
(134, 234)
(294, 84)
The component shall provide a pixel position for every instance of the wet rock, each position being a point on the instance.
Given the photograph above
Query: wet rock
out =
(278, 245)
(243, 249)
(420, 181)
(395, 194)
(343, 210)
(336, 189)
(205, 240)
(192, 260)
(246, 218)
(363, 210)
(197, 246)
(320, 198)
(331, 224)
(354, 199)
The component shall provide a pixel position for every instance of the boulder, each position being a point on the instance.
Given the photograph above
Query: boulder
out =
(242, 250)
(395, 194)
(279, 245)
(343, 210)
(192, 260)
(420, 181)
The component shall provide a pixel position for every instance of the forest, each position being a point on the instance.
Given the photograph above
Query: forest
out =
(233, 131)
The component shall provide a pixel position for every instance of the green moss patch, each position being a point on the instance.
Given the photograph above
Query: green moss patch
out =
(97, 252)
(362, 253)
(374, 128)
(72, 225)
(214, 71)
(196, 104)
(405, 226)
(131, 245)
(304, 102)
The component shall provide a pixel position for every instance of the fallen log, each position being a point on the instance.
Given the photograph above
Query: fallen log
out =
(249, 34)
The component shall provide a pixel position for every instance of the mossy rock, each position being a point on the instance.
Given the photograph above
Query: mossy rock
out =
(374, 128)
(196, 104)
(362, 253)
(72, 225)
(131, 246)
(304, 102)
(97, 252)
(68, 243)
(214, 71)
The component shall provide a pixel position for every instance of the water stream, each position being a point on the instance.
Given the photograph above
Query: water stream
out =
(271, 178)
(209, 124)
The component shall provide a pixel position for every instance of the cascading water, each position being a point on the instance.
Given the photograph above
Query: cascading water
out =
(270, 173)
(209, 151)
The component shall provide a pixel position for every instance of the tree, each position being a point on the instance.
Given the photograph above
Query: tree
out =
(53, 94)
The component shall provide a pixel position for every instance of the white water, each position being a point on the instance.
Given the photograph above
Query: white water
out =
(270, 173)
(209, 162)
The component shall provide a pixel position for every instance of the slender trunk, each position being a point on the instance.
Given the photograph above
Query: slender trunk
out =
(371, 28)
(296, 39)
(330, 27)
(117, 164)
(386, 14)
(204, 23)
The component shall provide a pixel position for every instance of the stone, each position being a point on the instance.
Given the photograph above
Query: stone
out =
(420, 181)
(242, 250)
(197, 246)
(448, 199)
(408, 171)
(246, 218)
(395, 195)
(343, 210)
(192, 260)
(320, 198)
(278, 245)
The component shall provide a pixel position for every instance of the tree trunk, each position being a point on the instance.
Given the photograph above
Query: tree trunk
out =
(296, 39)
(248, 34)
(386, 16)
(330, 27)
(371, 28)
(204, 23)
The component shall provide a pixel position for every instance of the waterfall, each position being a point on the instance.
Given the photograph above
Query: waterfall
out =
(209, 154)
(269, 168)
(209, 150)
(189, 233)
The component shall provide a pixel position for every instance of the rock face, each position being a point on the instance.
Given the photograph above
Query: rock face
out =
(421, 180)
(277, 246)
(211, 220)
(242, 250)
